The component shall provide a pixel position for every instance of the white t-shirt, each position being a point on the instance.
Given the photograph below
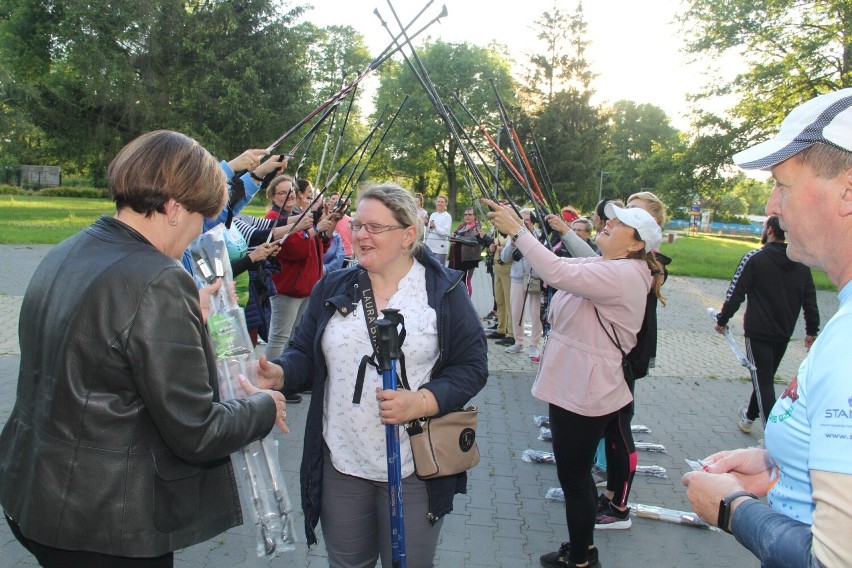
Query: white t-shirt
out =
(353, 433)
(437, 239)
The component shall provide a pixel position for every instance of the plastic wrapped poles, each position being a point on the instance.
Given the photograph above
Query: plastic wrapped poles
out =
(256, 465)
(745, 362)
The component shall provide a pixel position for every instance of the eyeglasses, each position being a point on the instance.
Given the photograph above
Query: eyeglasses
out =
(372, 228)
(580, 229)
(281, 193)
(468, 213)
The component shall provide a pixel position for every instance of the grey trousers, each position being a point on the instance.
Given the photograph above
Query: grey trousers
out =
(286, 313)
(355, 519)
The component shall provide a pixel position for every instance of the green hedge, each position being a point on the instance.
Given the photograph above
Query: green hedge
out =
(84, 192)
(88, 192)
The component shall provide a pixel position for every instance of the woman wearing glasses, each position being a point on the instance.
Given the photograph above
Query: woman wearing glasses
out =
(344, 465)
(300, 258)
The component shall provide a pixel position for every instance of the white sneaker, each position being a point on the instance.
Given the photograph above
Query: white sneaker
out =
(745, 424)
(534, 351)
(516, 348)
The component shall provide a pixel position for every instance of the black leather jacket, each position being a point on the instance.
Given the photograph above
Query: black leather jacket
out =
(117, 443)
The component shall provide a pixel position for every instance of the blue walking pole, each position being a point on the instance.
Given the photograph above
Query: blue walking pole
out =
(387, 354)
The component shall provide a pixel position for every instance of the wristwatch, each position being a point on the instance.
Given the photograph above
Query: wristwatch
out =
(724, 519)
(521, 231)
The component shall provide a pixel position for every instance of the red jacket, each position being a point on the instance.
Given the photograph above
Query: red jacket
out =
(300, 258)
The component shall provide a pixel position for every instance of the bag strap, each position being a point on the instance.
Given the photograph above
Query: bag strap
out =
(365, 288)
(615, 341)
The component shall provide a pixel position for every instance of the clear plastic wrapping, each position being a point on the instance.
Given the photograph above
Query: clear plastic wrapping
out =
(256, 465)
(535, 456)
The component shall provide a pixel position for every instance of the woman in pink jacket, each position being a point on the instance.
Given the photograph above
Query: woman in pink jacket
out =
(599, 301)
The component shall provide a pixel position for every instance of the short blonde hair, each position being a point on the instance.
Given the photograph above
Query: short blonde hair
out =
(401, 204)
(656, 207)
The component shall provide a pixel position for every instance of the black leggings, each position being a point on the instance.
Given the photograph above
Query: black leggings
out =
(50, 557)
(575, 439)
(621, 459)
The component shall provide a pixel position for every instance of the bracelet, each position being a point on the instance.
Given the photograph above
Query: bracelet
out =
(521, 231)
(254, 177)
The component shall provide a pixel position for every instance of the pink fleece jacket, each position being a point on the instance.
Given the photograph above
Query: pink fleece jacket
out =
(580, 367)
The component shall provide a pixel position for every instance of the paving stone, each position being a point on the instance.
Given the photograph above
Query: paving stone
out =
(690, 402)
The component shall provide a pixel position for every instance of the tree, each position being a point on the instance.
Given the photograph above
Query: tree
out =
(755, 193)
(637, 132)
(420, 142)
(90, 77)
(792, 50)
(335, 56)
(570, 130)
(571, 135)
(731, 207)
(562, 63)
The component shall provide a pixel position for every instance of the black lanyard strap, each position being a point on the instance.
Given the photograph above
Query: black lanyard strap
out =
(365, 289)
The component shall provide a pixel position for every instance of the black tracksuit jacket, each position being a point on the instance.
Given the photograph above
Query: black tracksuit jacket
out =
(777, 288)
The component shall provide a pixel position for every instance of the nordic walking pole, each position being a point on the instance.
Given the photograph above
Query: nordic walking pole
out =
(745, 362)
(387, 354)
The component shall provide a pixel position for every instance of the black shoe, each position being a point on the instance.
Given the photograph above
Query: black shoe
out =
(495, 335)
(559, 559)
(293, 398)
(506, 341)
(612, 518)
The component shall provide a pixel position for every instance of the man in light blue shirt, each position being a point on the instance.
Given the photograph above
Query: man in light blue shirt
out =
(806, 469)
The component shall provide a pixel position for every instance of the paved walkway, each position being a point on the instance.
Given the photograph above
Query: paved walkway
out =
(689, 401)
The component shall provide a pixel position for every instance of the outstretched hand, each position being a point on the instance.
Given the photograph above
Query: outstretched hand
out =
(557, 223)
(269, 375)
(504, 218)
(248, 160)
(280, 403)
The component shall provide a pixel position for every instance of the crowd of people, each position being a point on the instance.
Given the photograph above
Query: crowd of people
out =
(117, 450)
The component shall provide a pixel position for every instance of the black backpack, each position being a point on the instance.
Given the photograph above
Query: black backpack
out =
(639, 358)
(636, 363)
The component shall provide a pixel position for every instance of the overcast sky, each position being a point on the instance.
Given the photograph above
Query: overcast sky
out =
(634, 46)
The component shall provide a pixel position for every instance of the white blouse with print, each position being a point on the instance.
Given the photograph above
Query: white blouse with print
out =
(354, 433)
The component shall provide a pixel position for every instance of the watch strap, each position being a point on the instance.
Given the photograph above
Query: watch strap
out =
(724, 519)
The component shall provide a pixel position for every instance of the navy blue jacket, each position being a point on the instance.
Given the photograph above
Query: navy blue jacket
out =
(459, 373)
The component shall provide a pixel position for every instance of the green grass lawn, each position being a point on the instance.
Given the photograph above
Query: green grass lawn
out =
(28, 219)
(717, 257)
(48, 220)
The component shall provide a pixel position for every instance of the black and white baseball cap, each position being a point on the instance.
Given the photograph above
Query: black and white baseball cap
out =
(825, 119)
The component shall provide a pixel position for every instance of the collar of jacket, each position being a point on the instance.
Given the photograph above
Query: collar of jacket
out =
(111, 229)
